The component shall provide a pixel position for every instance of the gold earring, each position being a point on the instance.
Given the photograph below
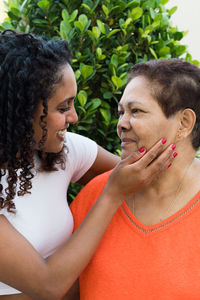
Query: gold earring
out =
(179, 134)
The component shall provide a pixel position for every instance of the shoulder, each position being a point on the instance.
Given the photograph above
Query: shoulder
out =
(95, 186)
(74, 139)
(81, 153)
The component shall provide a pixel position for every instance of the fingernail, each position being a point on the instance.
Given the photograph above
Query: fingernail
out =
(175, 154)
(169, 166)
(163, 141)
(173, 146)
(142, 149)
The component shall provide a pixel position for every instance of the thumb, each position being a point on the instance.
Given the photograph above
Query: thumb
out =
(134, 156)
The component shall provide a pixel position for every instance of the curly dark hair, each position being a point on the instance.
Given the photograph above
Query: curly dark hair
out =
(30, 68)
(175, 84)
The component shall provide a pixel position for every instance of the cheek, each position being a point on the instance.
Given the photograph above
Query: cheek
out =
(148, 133)
(56, 121)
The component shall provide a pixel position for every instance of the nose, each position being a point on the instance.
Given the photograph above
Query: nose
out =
(123, 123)
(71, 116)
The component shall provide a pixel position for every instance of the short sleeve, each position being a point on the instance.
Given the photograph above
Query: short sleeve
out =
(81, 155)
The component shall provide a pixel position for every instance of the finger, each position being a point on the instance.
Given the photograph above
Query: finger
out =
(162, 163)
(154, 152)
(133, 157)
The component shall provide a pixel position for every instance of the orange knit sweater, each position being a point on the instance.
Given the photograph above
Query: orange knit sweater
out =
(139, 262)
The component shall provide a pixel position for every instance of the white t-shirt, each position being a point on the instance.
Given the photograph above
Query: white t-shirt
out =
(43, 217)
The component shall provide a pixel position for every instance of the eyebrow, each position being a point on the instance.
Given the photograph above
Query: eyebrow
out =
(130, 103)
(67, 99)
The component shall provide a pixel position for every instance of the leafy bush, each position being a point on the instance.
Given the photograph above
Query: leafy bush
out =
(106, 38)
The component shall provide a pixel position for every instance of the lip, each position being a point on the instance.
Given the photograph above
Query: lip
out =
(62, 137)
(126, 141)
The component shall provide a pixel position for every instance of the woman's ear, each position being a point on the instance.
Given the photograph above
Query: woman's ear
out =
(187, 122)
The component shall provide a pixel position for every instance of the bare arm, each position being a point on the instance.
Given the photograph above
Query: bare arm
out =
(23, 268)
(104, 161)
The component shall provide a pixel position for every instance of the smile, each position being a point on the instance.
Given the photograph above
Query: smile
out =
(61, 133)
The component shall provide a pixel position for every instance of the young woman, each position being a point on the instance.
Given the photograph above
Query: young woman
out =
(38, 159)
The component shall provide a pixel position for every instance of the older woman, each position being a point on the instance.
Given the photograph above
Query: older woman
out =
(151, 249)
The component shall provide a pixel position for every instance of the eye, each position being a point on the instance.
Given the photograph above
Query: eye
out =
(135, 111)
(64, 109)
(120, 113)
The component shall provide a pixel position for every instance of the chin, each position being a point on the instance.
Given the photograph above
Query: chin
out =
(125, 154)
(53, 149)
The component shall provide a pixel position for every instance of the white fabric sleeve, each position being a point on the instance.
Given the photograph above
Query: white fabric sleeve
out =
(81, 155)
(7, 290)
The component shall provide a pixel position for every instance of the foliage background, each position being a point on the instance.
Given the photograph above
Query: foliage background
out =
(106, 38)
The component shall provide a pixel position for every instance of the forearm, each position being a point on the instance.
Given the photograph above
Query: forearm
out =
(23, 268)
(76, 254)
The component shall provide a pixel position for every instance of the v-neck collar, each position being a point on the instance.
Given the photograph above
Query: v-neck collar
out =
(163, 225)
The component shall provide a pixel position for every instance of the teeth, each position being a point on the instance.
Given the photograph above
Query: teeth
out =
(61, 132)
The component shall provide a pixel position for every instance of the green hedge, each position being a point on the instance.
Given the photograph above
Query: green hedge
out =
(106, 38)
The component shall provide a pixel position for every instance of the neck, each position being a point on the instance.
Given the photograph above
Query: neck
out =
(182, 167)
(174, 188)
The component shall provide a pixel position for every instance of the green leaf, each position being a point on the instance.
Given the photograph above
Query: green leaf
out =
(82, 98)
(73, 15)
(86, 71)
(152, 13)
(65, 29)
(101, 26)
(93, 104)
(114, 60)
(180, 49)
(16, 11)
(136, 13)
(83, 19)
(114, 31)
(65, 15)
(153, 53)
(107, 95)
(131, 3)
(96, 32)
(44, 4)
(6, 25)
(77, 74)
(128, 21)
(79, 25)
(172, 10)
(163, 2)
(86, 7)
(105, 114)
(164, 51)
(105, 10)
(117, 81)
(99, 52)
(100, 56)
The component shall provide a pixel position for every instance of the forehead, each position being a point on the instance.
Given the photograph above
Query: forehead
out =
(66, 87)
(138, 90)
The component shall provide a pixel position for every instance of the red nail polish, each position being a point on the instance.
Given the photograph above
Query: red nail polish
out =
(163, 141)
(169, 165)
(175, 154)
(173, 146)
(142, 149)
